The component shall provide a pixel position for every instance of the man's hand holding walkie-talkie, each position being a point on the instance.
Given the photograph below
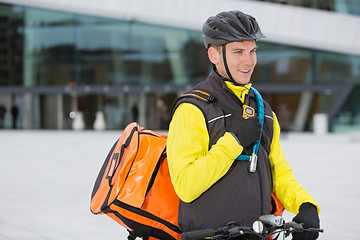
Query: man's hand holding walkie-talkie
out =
(246, 128)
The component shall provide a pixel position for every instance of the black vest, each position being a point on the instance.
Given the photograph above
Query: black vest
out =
(239, 196)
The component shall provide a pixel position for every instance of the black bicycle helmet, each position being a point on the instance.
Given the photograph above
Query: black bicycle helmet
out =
(230, 26)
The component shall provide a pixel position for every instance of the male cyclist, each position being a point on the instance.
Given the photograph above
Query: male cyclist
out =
(205, 138)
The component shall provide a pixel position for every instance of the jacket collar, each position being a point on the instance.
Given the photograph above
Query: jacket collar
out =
(220, 81)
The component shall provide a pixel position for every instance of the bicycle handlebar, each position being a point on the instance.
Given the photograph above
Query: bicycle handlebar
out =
(233, 230)
(198, 234)
(229, 231)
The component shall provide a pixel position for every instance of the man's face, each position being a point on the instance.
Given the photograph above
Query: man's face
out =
(241, 60)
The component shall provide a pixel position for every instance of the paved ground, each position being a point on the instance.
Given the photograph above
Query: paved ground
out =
(46, 179)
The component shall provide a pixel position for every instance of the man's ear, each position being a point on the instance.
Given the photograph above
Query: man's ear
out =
(214, 55)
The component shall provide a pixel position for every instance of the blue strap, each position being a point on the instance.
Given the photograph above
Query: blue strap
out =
(244, 158)
(260, 112)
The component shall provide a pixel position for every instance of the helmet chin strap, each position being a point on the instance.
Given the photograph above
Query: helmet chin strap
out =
(231, 79)
(226, 65)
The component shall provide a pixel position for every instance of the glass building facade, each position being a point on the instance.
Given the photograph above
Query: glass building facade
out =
(340, 6)
(55, 65)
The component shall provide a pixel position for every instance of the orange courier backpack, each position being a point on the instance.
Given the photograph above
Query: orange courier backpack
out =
(134, 187)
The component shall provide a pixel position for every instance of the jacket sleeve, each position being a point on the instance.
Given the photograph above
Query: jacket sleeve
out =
(193, 167)
(286, 187)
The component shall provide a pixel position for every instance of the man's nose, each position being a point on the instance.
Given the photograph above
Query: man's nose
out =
(249, 59)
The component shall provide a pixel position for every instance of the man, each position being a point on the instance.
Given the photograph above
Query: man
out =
(207, 135)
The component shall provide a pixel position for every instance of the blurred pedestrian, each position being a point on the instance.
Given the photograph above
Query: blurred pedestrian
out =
(14, 114)
(2, 115)
(135, 113)
(284, 116)
(163, 114)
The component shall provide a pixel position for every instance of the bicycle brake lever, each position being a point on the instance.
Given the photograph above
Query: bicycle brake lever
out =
(292, 227)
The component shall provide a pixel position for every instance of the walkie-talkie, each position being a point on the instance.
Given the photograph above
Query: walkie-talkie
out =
(248, 111)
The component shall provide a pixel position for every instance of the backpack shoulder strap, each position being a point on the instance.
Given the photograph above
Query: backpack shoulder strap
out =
(193, 94)
(202, 96)
(198, 94)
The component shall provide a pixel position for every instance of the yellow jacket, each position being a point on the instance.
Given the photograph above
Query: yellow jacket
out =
(194, 168)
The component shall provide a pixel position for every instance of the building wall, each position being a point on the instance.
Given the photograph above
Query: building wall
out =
(282, 23)
(58, 63)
